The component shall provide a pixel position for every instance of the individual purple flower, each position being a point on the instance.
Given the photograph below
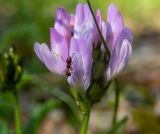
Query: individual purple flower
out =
(55, 57)
(85, 25)
(119, 39)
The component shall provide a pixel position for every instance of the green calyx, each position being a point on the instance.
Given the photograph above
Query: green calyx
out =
(82, 100)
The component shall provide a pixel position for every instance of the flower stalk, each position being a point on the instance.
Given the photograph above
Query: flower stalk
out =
(117, 94)
(84, 104)
(17, 114)
(85, 122)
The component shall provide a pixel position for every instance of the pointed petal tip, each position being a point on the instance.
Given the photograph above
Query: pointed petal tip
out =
(112, 6)
(60, 13)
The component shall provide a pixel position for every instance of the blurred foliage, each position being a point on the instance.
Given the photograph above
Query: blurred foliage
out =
(38, 115)
(4, 128)
(6, 105)
(146, 121)
(119, 127)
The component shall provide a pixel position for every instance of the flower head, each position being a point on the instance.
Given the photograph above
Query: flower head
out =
(73, 38)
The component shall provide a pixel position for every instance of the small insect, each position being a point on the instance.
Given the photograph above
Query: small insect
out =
(68, 69)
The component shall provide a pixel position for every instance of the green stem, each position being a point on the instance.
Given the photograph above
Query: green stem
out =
(85, 106)
(85, 122)
(17, 114)
(117, 93)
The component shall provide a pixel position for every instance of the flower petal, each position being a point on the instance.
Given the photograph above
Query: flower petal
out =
(58, 44)
(115, 25)
(45, 55)
(96, 33)
(74, 48)
(115, 19)
(99, 19)
(76, 78)
(125, 53)
(120, 53)
(79, 18)
(84, 24)
(64, 23)
(84, 49)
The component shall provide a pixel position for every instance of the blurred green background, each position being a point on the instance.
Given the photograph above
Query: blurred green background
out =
(24, 22)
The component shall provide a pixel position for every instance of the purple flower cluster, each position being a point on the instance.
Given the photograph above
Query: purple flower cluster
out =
(75, 36)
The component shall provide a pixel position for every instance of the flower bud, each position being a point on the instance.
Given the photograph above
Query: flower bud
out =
(10, 70)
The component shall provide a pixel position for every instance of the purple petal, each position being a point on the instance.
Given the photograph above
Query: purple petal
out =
(58, 44)
(99, 19)
(103, 49)
(110, 37)
(115, 19)
(63, 23)
(76, 78)
(79, 16)
(87, 14)
(120, 53)
(96, 33)
(72, 22)
(37, 49)
(125, 40)
(84, 49)
(104, 30)
(62, 15)
(115, 24)
(74, 48)
(126, 34)
(45, 55)
(84, 24)
(125, 53)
